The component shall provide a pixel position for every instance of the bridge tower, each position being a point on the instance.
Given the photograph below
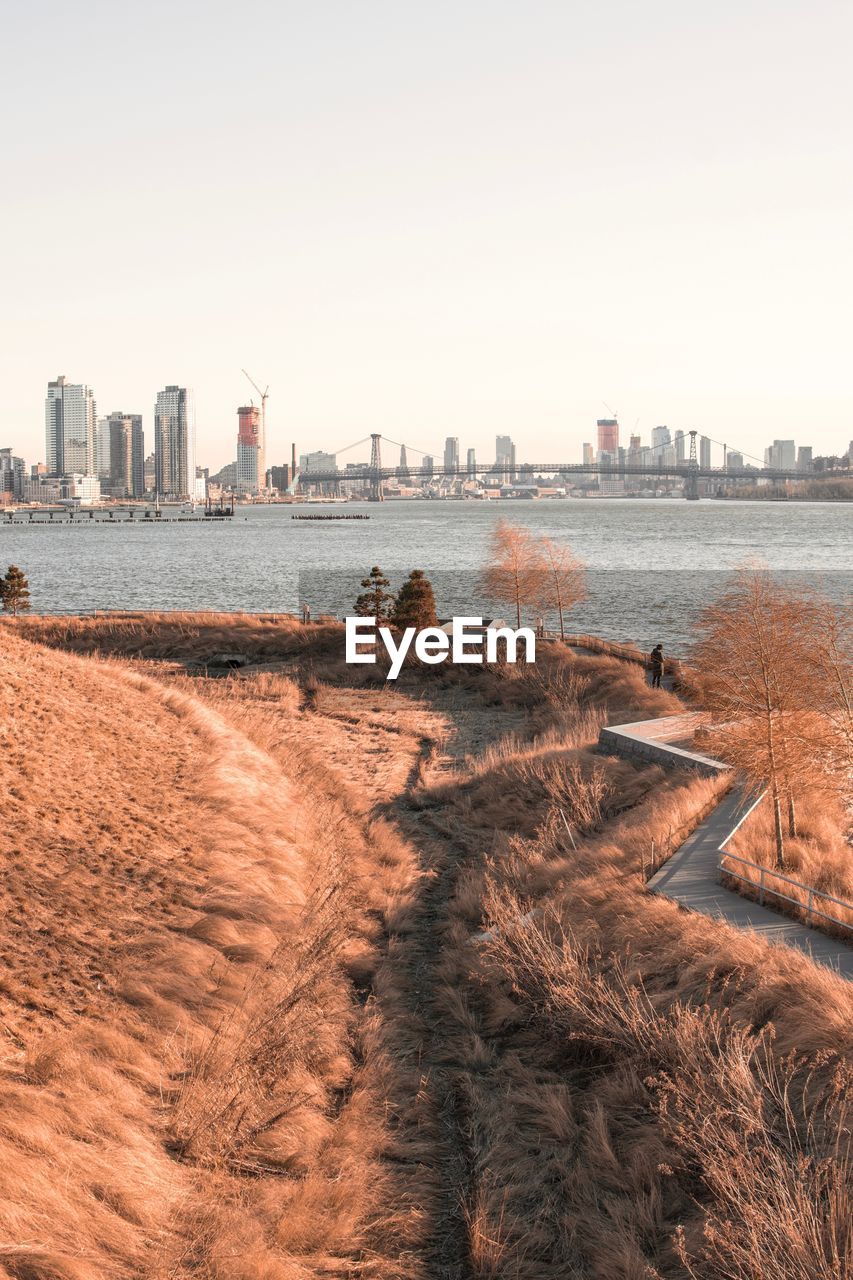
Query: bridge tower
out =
(376, 494)
(691, 480)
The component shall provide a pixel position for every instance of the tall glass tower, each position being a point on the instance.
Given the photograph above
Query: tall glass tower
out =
(174, 443)
(69, 425)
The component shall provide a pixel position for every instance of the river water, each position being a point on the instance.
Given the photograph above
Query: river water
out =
(652, 564)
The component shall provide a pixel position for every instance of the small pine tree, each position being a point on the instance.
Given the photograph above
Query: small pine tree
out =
(375, 602)
(15, 591)
(415, 604)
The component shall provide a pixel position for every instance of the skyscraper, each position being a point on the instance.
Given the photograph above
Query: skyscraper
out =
(249, 477)
(69, 424)
(608, 436)
(505, 458)
(174, 443)
(633, 458)
(787, 454)
(472, 464)
(102, 449)
(680, 440)
(451, 455)
(704, 453)
(608, 455)
(403, 473)
(124, 476)
(804, 458)
(781, 455)
(660, 437)
(12, 474)
(588, 455)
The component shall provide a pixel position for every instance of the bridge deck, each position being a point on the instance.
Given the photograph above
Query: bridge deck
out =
(527, 470)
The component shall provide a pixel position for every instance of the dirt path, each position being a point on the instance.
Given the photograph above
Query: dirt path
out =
(419, 963)
(410, 990)
(400, 756)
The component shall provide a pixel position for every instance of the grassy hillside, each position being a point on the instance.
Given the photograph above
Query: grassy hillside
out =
(184, 637)
(182, 1091)
(341, 979)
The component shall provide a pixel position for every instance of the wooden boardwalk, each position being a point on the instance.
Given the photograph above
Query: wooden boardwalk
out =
(691, 877)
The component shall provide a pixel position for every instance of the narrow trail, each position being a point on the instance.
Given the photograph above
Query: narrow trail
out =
(447, 1249)
(430, 1148)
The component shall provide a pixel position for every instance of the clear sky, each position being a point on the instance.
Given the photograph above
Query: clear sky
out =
(430, 219)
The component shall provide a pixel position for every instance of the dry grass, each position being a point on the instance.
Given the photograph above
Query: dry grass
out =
(820, 855)
(262, 1040)
(178, 998)
(608, 1050)
(185, 637)
(716, 1115)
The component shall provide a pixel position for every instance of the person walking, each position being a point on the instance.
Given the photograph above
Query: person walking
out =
(656, 662)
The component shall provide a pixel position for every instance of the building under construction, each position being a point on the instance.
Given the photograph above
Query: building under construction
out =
(250, 476)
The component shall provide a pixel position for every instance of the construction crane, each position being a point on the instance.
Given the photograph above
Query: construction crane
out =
(262, 451)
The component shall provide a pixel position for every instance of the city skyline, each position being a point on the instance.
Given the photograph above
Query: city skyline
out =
(91, 459)
(72, 407)
(90, 456)
(461, 224)
(215, 450)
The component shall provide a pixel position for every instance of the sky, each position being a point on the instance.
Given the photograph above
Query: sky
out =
(455, 218)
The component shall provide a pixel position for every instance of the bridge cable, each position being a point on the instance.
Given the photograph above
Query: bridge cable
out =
(399, 445)
(731, 449)
(346, 449)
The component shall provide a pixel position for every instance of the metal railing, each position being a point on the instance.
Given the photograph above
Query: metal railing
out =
(763, 872)
(810, 893)
(613, 649)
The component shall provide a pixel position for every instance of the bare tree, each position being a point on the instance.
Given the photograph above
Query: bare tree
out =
(754, 654)
(562, 584)
(515, 568)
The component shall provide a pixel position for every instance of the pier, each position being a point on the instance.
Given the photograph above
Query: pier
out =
(61, 516)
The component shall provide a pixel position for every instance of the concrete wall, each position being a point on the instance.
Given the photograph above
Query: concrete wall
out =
(648, 740)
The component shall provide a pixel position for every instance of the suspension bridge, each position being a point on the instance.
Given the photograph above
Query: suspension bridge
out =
(650, 463)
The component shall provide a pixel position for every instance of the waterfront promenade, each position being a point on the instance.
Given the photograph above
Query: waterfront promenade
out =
(691, 877)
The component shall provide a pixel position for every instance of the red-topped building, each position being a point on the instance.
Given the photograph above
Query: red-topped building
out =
(608, 436)
(608, 455)
(250, 477)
